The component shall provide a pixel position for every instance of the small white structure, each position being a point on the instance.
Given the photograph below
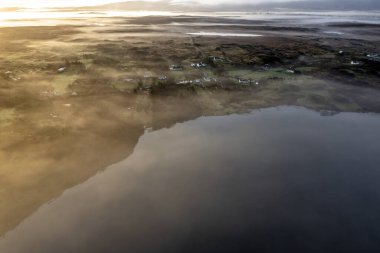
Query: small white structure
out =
(290, 71)
(176, 68)
(185, 82)
(374, 57)
(245, 81)
(61, 70)
(199, 65)
(355, 63)
(162, 78)
(12, 76)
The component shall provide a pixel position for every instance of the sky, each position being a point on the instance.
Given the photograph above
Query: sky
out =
(59, 3)
(51, 3)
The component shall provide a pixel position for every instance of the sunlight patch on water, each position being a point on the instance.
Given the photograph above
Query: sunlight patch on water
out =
(224, 34)
(333, 32)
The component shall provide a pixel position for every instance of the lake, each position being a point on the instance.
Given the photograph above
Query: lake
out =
(283, 179)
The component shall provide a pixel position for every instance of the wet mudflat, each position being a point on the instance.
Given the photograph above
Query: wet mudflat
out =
(281, 179)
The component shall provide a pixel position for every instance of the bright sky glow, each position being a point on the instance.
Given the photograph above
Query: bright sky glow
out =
(63, 3)
(52, 3)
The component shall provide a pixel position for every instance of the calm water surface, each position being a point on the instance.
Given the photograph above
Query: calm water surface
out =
(276, 180)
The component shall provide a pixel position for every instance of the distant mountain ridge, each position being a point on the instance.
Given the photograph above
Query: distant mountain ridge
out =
(312, 5)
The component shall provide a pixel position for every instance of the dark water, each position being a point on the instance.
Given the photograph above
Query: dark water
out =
(277, 180)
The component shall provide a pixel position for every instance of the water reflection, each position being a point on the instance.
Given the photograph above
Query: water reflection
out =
(279, 180)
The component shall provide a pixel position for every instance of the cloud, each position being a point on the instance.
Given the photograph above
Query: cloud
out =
(56, 3)
(216, 4)
(49, 3)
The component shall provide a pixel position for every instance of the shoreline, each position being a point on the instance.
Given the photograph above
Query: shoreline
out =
(68, 93)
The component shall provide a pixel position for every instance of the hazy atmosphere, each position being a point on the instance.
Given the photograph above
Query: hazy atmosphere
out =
(297, 4)
(98, 2)
(189, 126)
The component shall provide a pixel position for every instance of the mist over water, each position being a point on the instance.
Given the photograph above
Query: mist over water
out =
(275, 180)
